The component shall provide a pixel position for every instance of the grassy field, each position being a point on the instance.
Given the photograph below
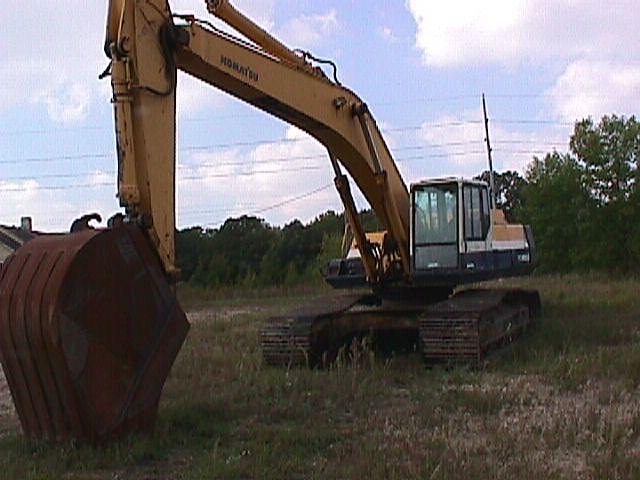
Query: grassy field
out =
(563, 402)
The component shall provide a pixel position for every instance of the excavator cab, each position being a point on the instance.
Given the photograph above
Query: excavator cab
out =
(456, 236)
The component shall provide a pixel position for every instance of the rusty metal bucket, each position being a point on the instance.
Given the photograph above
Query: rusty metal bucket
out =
(89, 329)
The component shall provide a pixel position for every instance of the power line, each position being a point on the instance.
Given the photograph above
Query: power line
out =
(55, 176)
(52, 130)
(507, 121)
(285, 140)
(187, 178)
(208, 119)
(221, 209)
(255, 172)
(528, 152)
(84, 156)
(231, 209)
(213, 118)
(324, 155)
(216, 146)
(294, 199)
(201, 176)
(324, 187)
(257, 162)
(531, 142)
(284, 202)
(55, 187)
(270, 207)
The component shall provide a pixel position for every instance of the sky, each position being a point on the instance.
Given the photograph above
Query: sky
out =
(421, 65)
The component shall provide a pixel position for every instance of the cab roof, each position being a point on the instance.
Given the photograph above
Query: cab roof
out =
(446, 180)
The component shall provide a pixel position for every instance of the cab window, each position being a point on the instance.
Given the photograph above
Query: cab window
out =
(476, 212)
(435, 223)
(435, 215)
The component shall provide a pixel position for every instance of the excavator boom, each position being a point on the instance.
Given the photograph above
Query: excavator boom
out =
(89, 323)
(147, 50)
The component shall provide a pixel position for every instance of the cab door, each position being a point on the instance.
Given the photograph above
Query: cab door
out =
(435, 226)
(476, 218)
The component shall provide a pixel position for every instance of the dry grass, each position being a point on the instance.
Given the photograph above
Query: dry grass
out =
(561, 403)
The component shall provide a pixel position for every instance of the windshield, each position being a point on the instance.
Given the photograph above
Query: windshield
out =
(436, 216)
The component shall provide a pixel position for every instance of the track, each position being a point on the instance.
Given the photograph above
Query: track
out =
(464, 328)
(461, 329)
(289, 340)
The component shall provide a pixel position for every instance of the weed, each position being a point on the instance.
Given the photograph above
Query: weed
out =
(559, 403)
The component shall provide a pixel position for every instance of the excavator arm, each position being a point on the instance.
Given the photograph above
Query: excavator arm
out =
(147, 48)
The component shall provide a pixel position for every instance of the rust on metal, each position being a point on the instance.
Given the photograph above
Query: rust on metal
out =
(313, 335)
(89, 329)
(289, 340)
(460, 329)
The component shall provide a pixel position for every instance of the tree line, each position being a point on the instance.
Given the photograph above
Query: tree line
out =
(583, 205)
(248, 252)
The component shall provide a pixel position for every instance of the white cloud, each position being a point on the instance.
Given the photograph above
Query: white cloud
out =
(596, 88)
(587, 39)
(455, 146)
(461, 31)
(468, 32)
(214, 186)
(309, 31)
(56, 70)
(387, 34)
(52, 57)
(50, 210)
(63, 55)
(195, 96)
(100, 178)
(19, 77)
(68, 104)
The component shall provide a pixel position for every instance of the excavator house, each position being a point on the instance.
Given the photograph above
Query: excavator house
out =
(89, 322)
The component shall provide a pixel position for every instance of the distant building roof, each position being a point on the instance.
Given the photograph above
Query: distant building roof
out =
(16, 233)
(12, 238)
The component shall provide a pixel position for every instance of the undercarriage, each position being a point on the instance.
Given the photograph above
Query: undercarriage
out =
(462, 328)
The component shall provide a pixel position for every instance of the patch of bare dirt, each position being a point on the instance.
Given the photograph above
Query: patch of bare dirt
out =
(554, 429)
(6, 405)
(224, 314)
(531, 426)
(7, 411)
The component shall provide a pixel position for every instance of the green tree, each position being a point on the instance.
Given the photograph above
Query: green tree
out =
(584, 206)
(610, 154)
(509, 187)
(331, 249)
(241, 243)
(556, 204)
(192, 245)
(610, 151)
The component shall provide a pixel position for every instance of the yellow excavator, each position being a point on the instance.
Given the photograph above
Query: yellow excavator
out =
(89, 323)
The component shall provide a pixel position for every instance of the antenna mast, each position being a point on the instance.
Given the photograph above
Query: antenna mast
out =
(491, 176)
